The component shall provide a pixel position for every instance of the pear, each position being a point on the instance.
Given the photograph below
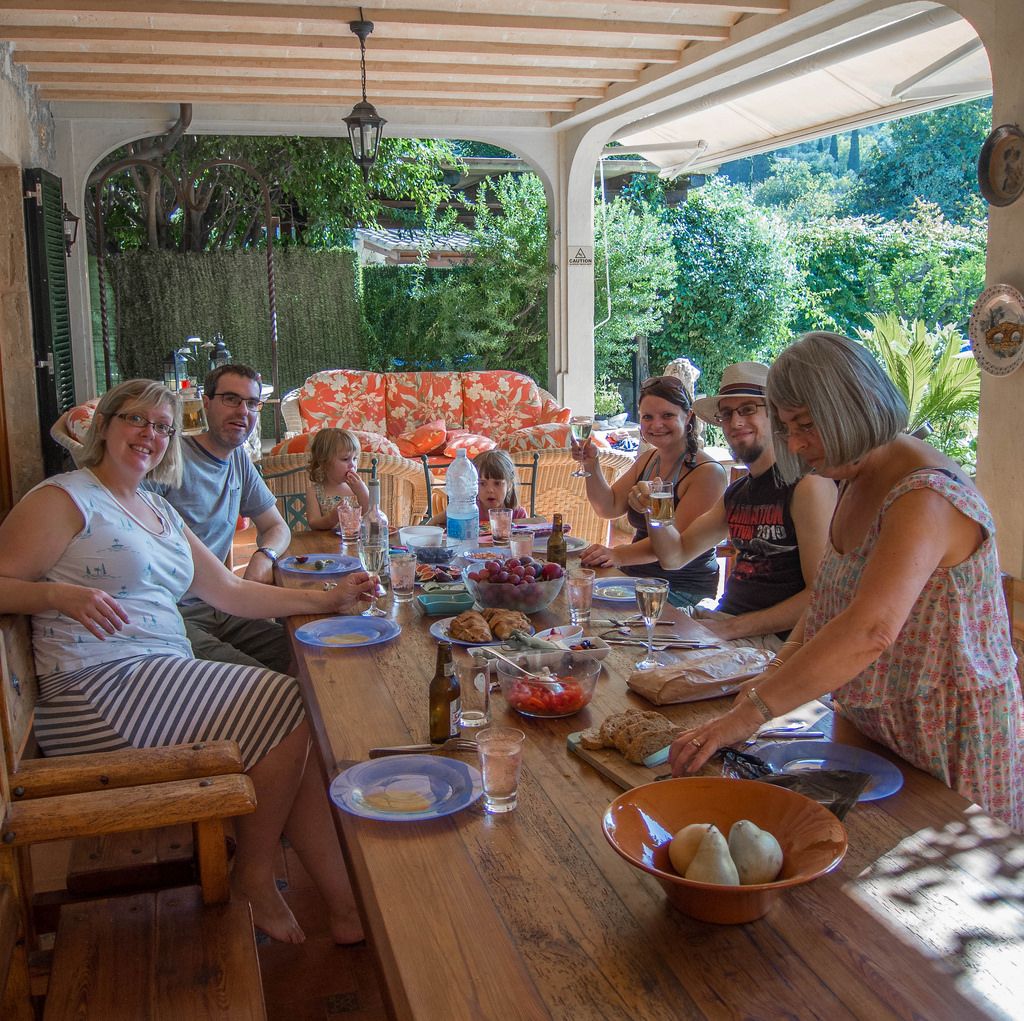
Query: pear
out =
(684, 845)
(755, 852)
(711, 863)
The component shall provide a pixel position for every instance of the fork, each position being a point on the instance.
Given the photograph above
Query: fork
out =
(453, 744)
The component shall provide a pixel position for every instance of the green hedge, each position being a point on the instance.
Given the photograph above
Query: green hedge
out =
(162, 298)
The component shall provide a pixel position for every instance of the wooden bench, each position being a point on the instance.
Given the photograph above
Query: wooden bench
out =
(160, 954)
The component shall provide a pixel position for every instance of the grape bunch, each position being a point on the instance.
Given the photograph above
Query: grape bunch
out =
(523, 583)
(516, 571)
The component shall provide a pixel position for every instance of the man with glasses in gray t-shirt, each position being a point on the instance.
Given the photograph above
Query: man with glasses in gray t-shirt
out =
(220, 485)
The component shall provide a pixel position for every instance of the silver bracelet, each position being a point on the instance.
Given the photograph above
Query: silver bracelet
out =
(761, 707)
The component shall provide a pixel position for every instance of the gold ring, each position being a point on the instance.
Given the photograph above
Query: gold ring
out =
(696, 743)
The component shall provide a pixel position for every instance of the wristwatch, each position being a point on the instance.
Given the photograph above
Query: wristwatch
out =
(269, 552)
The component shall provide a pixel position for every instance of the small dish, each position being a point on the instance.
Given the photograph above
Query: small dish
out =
(482, 554)
(996, 329)
(598, 647)
(553, 634)
(441, 604)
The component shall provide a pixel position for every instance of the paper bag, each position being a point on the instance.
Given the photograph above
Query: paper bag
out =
(703, 673)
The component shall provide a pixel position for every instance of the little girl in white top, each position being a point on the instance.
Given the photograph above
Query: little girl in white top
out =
(333, 456)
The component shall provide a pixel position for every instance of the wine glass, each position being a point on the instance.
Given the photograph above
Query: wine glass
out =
(373, 555)
(581, 427)
(651, 594)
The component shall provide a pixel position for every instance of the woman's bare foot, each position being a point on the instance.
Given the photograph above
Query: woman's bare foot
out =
(346, 929)
(270, 914)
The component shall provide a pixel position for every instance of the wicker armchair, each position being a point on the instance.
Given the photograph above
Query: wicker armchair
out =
(558, 492)
(403, 487)
(59, 431)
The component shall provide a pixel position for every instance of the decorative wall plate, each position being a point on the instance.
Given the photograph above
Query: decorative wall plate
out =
(1001, 165)
(997, 329)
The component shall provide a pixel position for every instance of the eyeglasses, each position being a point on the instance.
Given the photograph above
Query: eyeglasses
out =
(672, 382)
(744, 411)
(235, 400)
(785, 435)
(138, 422)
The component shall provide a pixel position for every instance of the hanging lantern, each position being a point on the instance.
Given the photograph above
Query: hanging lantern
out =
(364, 123)
(220, 355)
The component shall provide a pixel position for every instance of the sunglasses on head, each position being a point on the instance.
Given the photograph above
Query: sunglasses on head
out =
(671, 382)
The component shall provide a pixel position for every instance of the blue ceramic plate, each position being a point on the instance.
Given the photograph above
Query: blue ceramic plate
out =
(439, 629)
(616, 590)
(347, 632)
(407, 788)
(332, 564)
(786, 756)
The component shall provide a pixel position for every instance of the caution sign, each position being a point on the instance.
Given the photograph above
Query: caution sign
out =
(581, 255)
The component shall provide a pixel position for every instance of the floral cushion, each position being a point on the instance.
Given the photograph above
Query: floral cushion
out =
(80, 418)
(471, 442)
(498, 402)
(346, 398)
(546, 436)
(427, 439)
(416, 398)
(374, 443)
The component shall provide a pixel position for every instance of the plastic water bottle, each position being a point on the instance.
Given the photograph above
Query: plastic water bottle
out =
(461, 482)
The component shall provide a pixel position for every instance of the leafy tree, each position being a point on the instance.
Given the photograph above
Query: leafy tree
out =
(315, 188)
(924, 268)
(853, 160)
(802, 189)
(941, 385)
(642, 271)
(932, 156)
(734, 289)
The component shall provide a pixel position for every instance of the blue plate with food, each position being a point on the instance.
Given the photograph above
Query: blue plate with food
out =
(320, 563)
(482, 554)
(788, 756)
(347, 632)
(407, 788)
(616, 590)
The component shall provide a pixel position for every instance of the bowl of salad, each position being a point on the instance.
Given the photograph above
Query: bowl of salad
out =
(555, 684)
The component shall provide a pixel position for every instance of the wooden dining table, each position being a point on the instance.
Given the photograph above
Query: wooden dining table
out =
(533, 915)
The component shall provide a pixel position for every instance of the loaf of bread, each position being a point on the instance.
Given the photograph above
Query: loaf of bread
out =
(636, 733)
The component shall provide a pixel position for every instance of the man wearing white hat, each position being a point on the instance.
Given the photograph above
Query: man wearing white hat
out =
(779, 529)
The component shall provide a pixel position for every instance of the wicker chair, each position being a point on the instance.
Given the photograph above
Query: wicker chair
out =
(59, 431)
(403, 488)
(557, 492)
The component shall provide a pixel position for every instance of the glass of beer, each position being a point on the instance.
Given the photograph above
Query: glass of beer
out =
(663, 505)
(581, 426)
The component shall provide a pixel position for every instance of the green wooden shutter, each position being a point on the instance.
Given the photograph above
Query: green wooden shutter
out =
(51, 320)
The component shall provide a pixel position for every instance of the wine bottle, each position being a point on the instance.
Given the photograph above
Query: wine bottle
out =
(445, 701)
(556, 542)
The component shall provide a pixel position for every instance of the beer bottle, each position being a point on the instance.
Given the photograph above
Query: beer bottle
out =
(444, 697)
(556, 542)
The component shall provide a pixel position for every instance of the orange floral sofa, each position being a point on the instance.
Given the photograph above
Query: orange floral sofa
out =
(433, 413)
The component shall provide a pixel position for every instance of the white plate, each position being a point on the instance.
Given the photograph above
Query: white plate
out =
(997, 329)
(421, 787)
(573, 544)
(439, 629)
(616, 590)
(553, 634)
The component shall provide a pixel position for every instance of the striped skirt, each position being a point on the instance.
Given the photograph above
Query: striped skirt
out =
(153, 701)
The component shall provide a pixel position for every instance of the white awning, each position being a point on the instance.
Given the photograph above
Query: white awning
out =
(915, 64)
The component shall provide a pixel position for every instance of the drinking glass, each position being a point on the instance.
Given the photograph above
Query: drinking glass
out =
(373, 555)
(662, 509)
(651, 594)
(349, 516)
(501, 526)
(474, 677)
(581, 427)
(402, 567)
(501, 757)
(579, 590)
(521, 543)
